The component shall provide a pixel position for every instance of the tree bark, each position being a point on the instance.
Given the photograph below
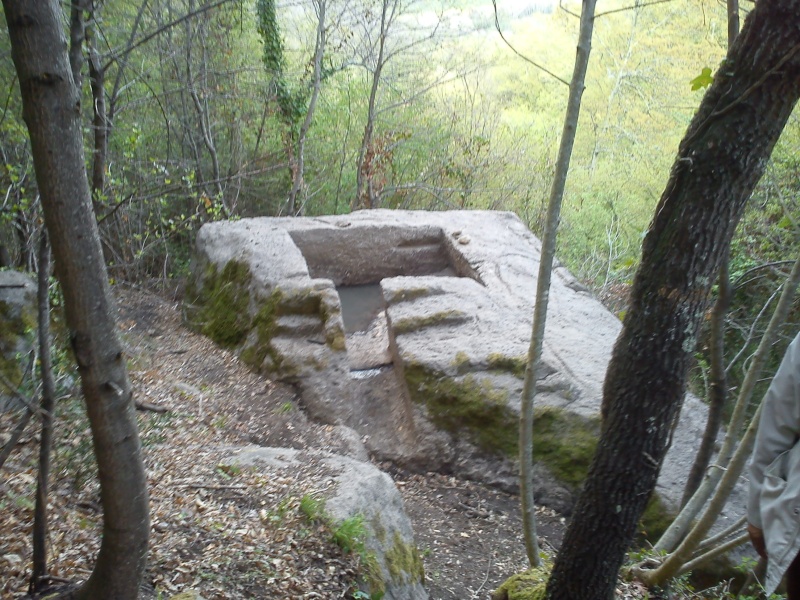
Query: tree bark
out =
(51, 110)
(719, 162)
(718, 389)
(97, 78)
(728, 475)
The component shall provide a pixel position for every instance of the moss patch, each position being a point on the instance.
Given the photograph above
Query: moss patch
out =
(655, 520)
(445, 317)
(514, 364)
(469, 406)
(17, 323)
(264, 324)
(221, 307)
(530, 585)
(565, 443)
(408, 294)
(462, 363)
(404, 562)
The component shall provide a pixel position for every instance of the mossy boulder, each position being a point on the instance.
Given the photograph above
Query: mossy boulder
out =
(227, 304)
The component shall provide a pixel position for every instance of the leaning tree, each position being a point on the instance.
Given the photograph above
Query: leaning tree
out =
(719, 162)
(51, 109)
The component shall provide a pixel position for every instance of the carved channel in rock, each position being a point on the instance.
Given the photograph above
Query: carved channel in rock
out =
(356, 260)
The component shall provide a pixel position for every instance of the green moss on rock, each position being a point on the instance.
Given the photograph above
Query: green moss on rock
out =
(404, 562)
(220, 308)
(462, 362)
(468, 405)
(408, 294)
(530, 585)
(565, 443)
(514, 364)
(655, 520)
(445, 317)
(17, 330)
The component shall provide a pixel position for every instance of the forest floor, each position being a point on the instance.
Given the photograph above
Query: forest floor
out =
(238, 535)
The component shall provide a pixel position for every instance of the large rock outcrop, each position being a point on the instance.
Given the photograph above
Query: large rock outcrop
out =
(412, 328)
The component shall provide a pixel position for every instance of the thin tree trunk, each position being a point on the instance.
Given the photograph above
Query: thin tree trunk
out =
(364, 197)
(543, 283)
(298, 179)
(77, 33)
(40, 524)
(733, 21)
(720, 160)
(100, 125)
(51, 112)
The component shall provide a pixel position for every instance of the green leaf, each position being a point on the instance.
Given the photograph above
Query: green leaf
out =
(703, 80)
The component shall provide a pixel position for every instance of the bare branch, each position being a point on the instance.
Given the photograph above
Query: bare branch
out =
(518, 53)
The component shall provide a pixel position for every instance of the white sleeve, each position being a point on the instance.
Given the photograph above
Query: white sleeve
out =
(779, 428)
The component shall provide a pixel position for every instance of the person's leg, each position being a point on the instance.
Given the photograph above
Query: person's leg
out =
(793, 580)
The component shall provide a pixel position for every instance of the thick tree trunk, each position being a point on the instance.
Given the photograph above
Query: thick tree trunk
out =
(719, 162)
(51, 109)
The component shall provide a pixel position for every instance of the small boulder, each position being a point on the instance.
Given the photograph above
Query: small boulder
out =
(358, 493)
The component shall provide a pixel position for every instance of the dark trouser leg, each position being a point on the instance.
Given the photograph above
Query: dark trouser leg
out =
(793, 580)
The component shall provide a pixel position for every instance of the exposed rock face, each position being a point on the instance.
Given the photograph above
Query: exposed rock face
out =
(422, 350)
(354, 489)
(17, 330)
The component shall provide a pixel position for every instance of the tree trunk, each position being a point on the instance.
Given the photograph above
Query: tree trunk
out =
(51, 109)
(719, 162)
(97, 78)
(730, 472)
(298, 176)
(39, 574)
(543, 282)
(77, 33)
(364, 196)
(718, 390)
